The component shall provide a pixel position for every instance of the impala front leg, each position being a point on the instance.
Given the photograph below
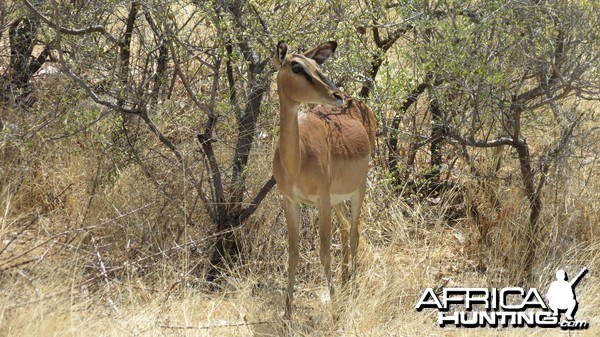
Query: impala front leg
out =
(325, 239)
(292, 218)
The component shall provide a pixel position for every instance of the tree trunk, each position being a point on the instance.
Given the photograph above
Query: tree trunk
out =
(392, 138)
(437, 139)
(535, 205)
(22, 37)
(125, 53)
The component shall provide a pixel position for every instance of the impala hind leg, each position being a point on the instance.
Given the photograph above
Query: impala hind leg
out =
(341, 210)
(355, 205)
(292, 219)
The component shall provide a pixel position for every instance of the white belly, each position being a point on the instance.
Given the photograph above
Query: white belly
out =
(313, 199)
(339, 198)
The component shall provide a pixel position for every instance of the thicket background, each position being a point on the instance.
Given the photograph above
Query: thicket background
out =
(136, 140)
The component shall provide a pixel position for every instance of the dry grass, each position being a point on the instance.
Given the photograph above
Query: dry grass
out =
(91, 247)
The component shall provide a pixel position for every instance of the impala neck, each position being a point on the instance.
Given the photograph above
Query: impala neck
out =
(289, 137)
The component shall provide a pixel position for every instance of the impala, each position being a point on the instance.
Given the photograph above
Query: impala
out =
(322, 157)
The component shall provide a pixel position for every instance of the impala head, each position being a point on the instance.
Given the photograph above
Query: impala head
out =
(299, 79)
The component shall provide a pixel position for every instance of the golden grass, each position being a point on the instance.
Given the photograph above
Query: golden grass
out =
(94, 248)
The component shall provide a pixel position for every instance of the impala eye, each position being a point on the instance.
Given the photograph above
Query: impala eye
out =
(297, 68)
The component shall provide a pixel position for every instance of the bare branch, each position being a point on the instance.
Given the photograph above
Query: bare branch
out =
(65, 69)
(246, 212)
(215, 171)
(501, 141)
(209, 327)
(82, 31)
(182, 76)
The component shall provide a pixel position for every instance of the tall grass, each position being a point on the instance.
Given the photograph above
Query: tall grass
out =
(102, 239)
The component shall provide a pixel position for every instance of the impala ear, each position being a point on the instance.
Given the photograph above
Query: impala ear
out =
(321, 53)
(280, 54)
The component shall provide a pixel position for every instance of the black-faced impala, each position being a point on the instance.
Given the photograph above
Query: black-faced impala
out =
(322, 157)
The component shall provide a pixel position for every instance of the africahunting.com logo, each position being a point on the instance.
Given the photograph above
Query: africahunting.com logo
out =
(507, 307)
